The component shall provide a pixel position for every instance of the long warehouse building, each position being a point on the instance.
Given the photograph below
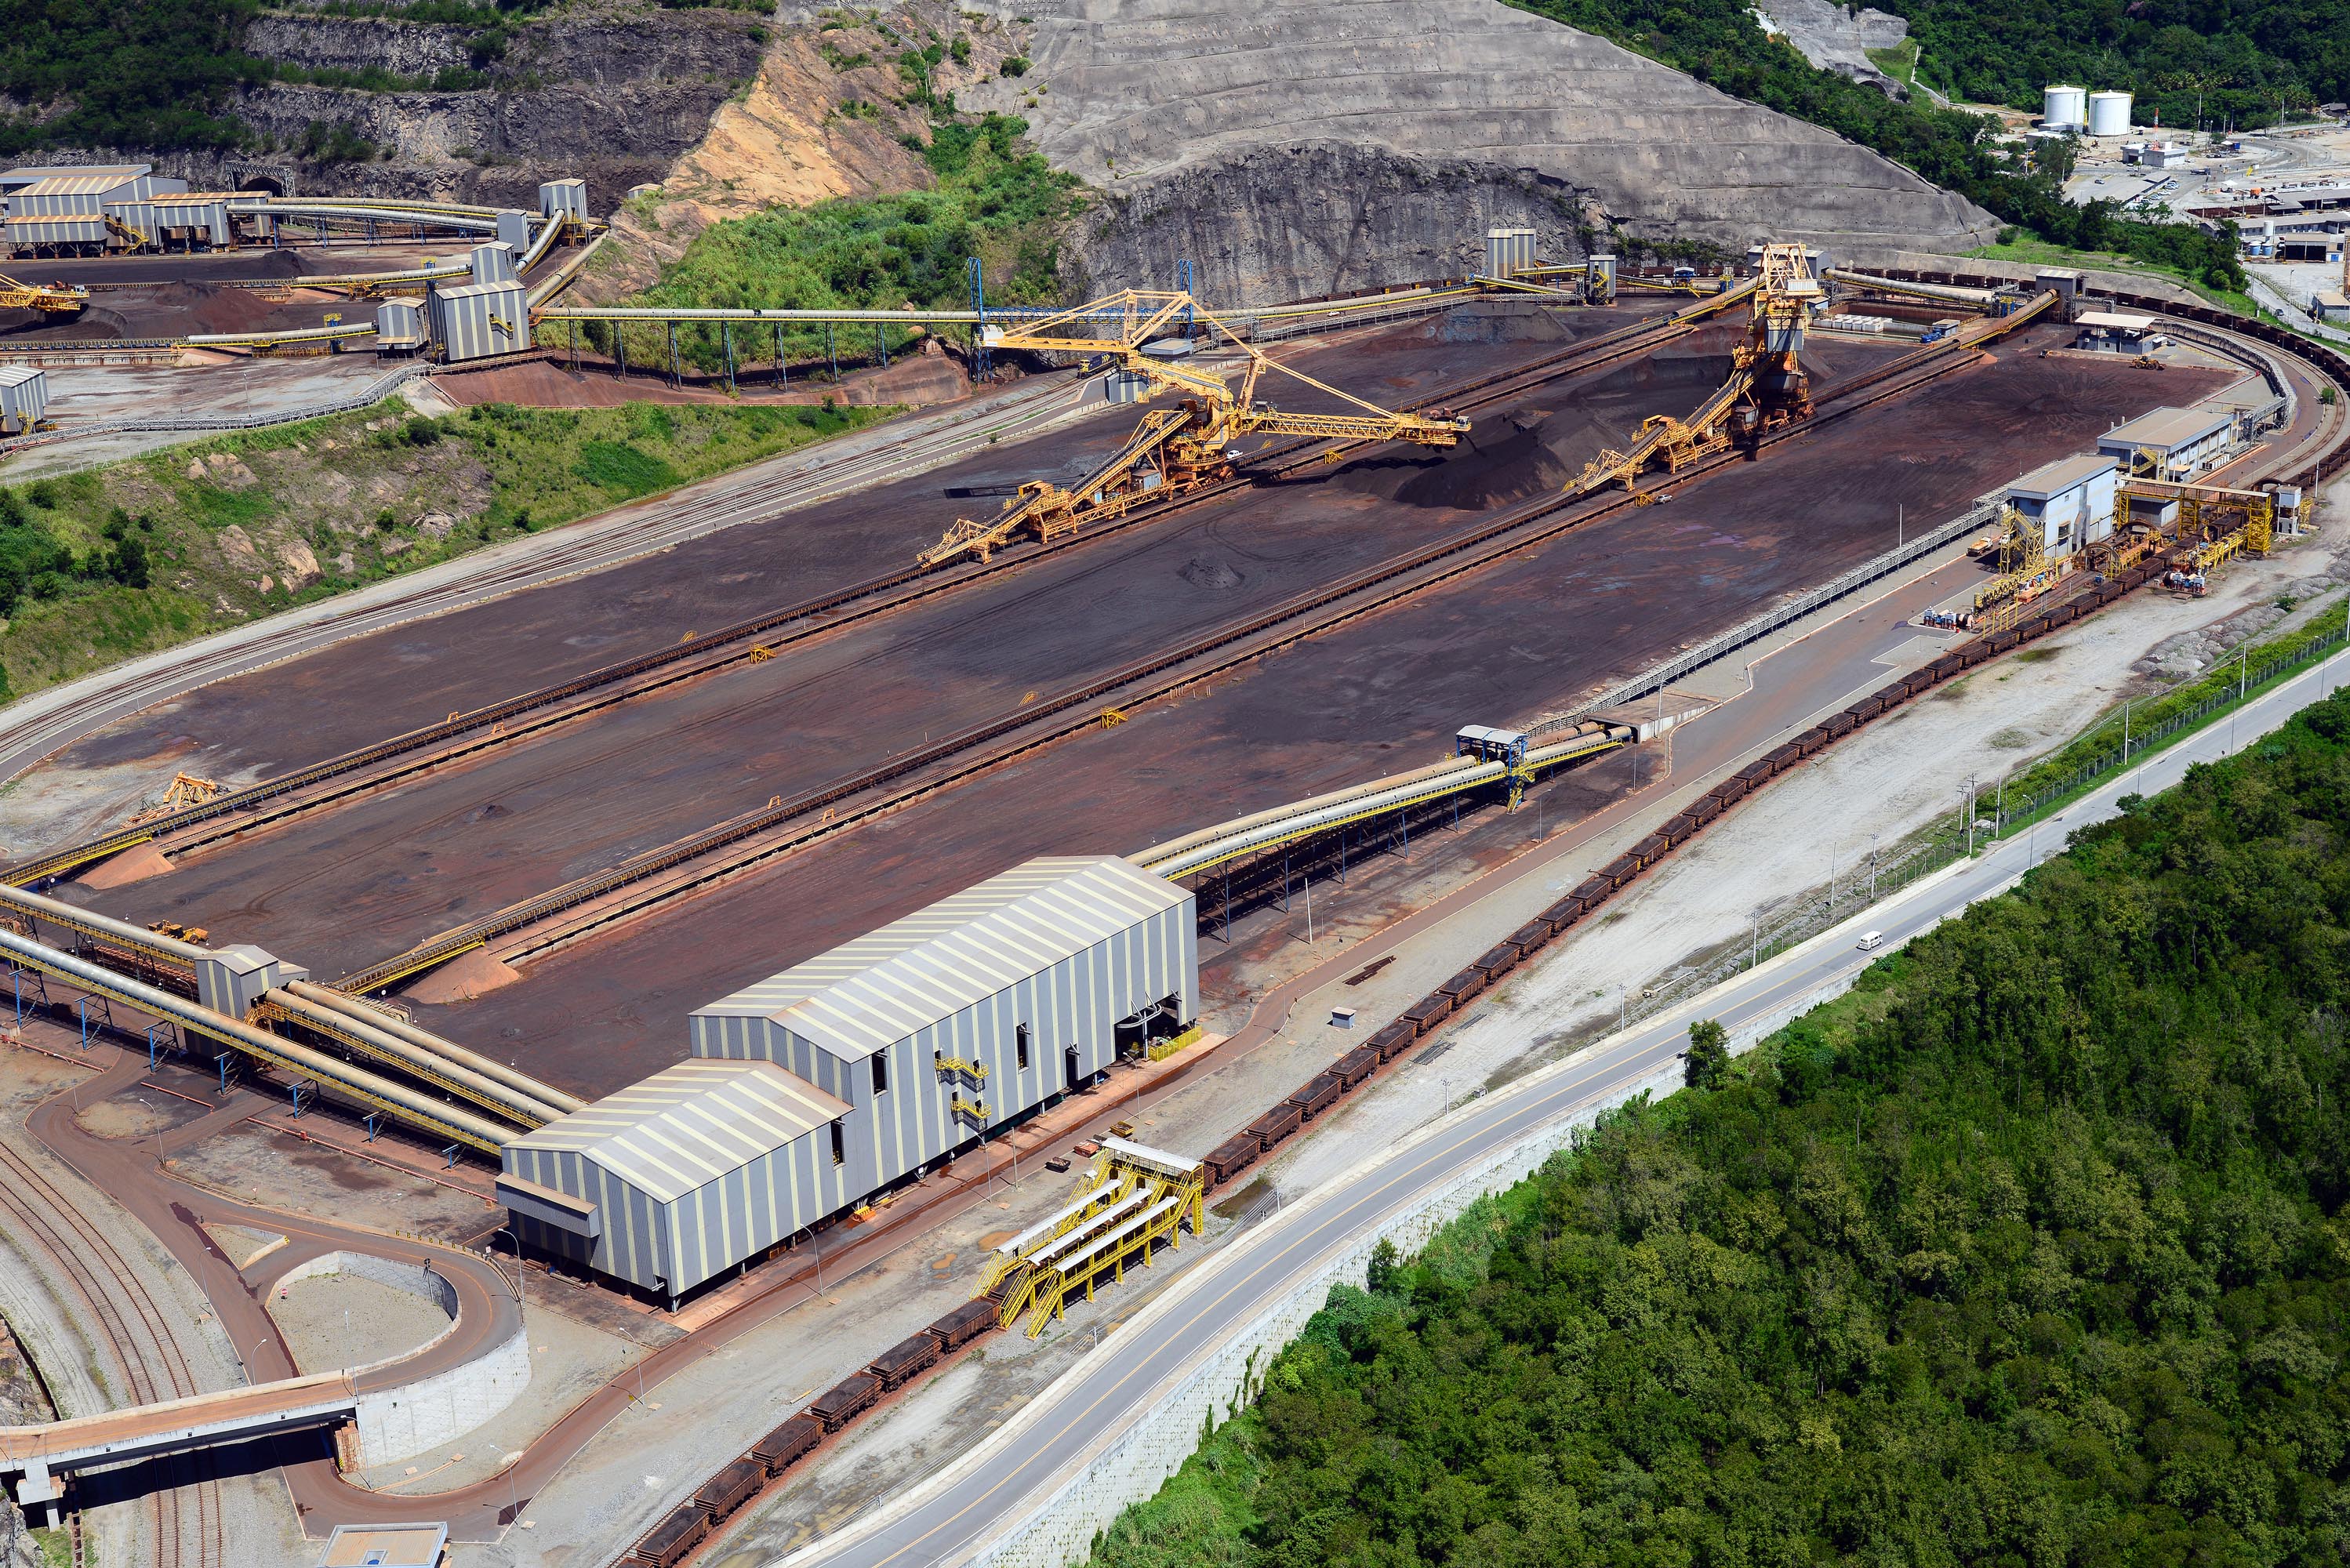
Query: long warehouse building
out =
(823, 1085)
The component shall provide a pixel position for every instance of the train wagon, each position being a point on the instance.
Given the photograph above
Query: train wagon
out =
(1427, 1013)
(666, 1543)
(730, 1489)
(1275, 1124)
(845, 1399)
(963, 1325)
(1231, 1157)
(1532, 938)
(793, 1441)
(1318, 1094)
(1389, 1041)
(1497, 960)
(1703, 810)
(1357, 1065)
(903, 1361)
(1463, 986)
(1621, 871)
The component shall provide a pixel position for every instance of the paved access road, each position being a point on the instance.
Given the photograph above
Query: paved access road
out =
(967, 1507)
(45, 721)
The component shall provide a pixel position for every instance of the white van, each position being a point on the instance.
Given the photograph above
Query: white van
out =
(1870, 941)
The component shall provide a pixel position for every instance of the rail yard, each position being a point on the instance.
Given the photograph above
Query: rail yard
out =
(693, 924)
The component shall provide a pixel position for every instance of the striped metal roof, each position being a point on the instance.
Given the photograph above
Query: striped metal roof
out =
(96, 184)
(688, 1124)
(864, 995)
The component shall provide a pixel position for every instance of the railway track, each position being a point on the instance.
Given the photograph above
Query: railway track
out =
(373, 767)
(787, 824)
(189, 1531)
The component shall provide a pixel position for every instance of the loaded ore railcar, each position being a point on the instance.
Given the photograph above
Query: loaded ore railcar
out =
(793, 1441)
(903, 1361)
(963, 1325)
(1357, 1065)
(845, 1399)
(1231, 1157)
(1275, 1124)
(666, 1543)
(1498, 960)
(730, 1489)
(1531, 938)
(1318, 1095)
(1429, 1011)
(1389, 1041)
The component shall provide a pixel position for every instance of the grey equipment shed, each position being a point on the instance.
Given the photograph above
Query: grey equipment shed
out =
(476, 320)
(399, 325)
(564, 199)
(494, 263)
(513, 229)
(959, 1017)
(23, 396)
(672, 1180)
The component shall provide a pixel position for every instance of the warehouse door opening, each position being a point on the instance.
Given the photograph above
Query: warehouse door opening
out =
(1076, 1074)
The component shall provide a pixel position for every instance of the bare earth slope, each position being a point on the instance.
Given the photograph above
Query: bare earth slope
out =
(1292, 147)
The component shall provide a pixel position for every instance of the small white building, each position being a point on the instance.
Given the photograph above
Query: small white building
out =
(2112, 332)
(2170, 443)
(2070, 501)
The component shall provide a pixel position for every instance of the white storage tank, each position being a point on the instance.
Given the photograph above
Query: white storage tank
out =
(2063, 108)
(2109, 113)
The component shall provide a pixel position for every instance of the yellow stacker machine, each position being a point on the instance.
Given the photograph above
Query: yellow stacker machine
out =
(1767, 385)
(1175, 449)
(49, 298)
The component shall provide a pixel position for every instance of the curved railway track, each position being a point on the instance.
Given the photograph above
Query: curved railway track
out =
(372, 768)
(188, 1526)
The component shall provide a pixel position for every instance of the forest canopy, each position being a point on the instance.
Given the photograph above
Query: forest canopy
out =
(2030, 1252)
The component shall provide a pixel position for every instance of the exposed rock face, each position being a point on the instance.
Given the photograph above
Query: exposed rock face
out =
(1290, 147)
(1838, 40)
(615, 93)
(829, 116)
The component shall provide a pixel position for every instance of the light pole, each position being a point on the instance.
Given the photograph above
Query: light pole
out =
(1309, 908)
(1872, 868)
(521, 1304)
(508, 1460)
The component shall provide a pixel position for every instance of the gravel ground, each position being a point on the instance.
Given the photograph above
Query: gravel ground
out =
(334, 1320)
(257, 1517)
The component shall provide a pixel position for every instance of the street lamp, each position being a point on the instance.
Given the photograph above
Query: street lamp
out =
(521, 1304)
(507, 1461)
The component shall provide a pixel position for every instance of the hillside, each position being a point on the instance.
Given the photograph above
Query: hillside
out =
(2032, 1250)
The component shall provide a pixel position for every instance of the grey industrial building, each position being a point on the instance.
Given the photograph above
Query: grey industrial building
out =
(493, 263)
(912, 1041)
(475, 320)
(399, 325)
(23, 396)
(565, 199)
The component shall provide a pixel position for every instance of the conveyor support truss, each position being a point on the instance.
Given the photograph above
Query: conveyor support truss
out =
(1134, 1197)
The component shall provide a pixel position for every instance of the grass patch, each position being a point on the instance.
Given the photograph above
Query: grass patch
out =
(1900, 62)
(995, 198)
(156, 551)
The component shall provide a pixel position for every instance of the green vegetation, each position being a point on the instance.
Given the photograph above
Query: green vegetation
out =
(2282, 655)
(2030, 1250)
(2237, 63)
(98, 567)
(1720, 43)
(996, 198)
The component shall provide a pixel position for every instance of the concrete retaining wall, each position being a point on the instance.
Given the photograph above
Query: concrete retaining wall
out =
(403, 1422)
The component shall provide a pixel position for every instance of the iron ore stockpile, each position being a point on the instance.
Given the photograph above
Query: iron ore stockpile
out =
(342, 888)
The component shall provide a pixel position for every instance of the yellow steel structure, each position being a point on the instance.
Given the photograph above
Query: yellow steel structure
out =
(1133, 1199)
(184, 790)
(1172, 450)
(131, 238)
(2025, 572)
(2214, 521)
(1767, 387)
(54, 299)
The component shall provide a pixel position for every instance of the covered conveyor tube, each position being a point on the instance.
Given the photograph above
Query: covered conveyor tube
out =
(1979, 298)
(520, 1083)
(355, 1083)
(57, 912)
(362, 1035)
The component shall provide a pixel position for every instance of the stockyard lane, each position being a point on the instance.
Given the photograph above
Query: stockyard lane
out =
(41, 723)
(964, 1509)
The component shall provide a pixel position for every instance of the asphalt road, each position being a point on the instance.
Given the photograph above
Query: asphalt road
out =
(39, 724)
(965, 1507)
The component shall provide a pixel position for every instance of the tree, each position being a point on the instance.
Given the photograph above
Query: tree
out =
(1708, 1054)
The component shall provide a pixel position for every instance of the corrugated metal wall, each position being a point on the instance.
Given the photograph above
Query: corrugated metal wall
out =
(1075, 1003)
(476, 320)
